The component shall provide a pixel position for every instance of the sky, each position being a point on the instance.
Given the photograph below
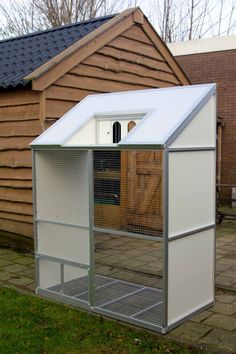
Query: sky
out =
(206, 25)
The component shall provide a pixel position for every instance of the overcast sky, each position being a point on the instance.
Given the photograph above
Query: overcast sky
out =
(153, 10)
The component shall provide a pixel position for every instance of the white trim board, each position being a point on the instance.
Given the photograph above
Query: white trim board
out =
(206, 45)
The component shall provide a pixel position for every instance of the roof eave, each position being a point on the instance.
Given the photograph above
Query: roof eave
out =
(128, 17)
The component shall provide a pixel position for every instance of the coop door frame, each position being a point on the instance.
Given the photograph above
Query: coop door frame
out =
(163, 238)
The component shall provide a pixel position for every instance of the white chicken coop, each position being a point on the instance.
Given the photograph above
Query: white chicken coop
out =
(124, 199)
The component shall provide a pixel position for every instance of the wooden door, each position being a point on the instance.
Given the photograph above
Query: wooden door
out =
(144, 192)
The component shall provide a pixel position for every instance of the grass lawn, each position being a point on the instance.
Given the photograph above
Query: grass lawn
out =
(30, 325)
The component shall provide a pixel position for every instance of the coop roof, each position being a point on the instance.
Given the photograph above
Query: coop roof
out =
(165, 113)
(20, 56)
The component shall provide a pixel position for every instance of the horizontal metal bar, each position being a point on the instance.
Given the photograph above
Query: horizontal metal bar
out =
(62, 223)
(65, 299)
(195, 231)
(62, 261)
(99, 287)
(189, 149)
(99, 147)
(203, 308)
(146, 309)
(122, 297)
(133, 321)
(126, 233)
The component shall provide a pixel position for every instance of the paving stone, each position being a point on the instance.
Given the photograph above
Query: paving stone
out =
(29, 273)
(229, 238)
(226, 298)
(3, 251)
(202, 316)
(224, 281)
(221, 339)
(14, 268)
(191, 331)
(4, 262)
(220, 321)
(25, 260)
(229, 273)
(31, 287)
(21, 281)
(4, 275)
(224, 309)
(221, 267)
(218, 256)
(10, 255)
(230, 262)
(219, 251)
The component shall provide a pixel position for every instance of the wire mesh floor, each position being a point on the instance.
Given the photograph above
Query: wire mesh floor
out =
(115, 296)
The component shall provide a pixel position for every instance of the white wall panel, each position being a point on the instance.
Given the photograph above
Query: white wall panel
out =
(85, 136)
(49, 273)
(64, 242)
(167, 108)
(191, 274)
(71, 273)
(62, 186)
(191, 191)
(201, 131)
(104, 132)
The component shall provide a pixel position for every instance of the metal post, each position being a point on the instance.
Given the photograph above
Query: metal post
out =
(91, 232)
(37, 261)
(165, 235)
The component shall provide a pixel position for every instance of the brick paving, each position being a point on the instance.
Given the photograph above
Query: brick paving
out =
(213, 329)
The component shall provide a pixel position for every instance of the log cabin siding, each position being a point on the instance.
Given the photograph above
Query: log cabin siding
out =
(128, 62)
(19, 125)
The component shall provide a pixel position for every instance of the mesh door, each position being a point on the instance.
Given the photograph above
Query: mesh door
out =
(128, 191)
(127, 233)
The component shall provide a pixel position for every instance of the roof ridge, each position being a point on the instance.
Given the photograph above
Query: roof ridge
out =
(32, 34)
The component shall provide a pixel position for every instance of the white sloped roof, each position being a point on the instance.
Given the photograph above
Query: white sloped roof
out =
(166, 112)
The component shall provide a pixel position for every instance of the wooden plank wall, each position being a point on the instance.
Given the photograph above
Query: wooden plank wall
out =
(19, 124)
(129, 62)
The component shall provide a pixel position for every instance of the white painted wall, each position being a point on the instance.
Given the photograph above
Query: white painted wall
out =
(49, 274)
(190, 274)
(201, 131)
(62, 191)
(191, 191)
(85, 136)
(64, 242)
(62, 186)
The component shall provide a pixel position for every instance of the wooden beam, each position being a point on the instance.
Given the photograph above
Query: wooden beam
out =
(162, 48)
(42, 109)
(119, 65)
(19, 97)
(16, 173)
(70, 57)
(16, 208)
(17, 227)
(133, 46)
(138, 59)
(138, 17)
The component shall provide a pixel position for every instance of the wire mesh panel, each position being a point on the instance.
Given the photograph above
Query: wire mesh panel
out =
(128, 191)
(67, 281)
(134, 268)
(127, 234)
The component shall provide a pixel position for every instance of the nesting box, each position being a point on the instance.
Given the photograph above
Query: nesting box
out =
(124, 198)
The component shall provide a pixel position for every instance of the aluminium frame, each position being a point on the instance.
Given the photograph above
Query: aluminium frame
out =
(91, 269)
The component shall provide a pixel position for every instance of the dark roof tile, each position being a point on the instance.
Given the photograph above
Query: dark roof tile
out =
(20, 56)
